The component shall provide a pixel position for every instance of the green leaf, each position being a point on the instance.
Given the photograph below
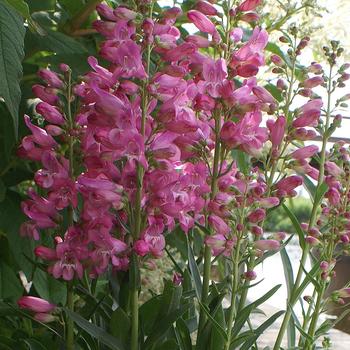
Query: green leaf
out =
(194, 271)
(289, 277)
(20, 6)
(329, 324)
(274, 91)
(49, 288)
(260, 330)
(244, 314)
(11, 55)
(34, 344)
(149, 312)
(95, 331)
(242, 159)
(311, 274)
(10, 286)
(183, 335)
(212, 320)
(120, 325)
(134, 273)
(163, 325)
(11, 218)
(296, 226)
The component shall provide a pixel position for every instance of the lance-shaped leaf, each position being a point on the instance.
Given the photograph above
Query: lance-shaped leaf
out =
(11, 55)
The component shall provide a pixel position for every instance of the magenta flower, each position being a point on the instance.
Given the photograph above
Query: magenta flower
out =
(304, 152)
(202, 22)
(267, 244)
(249, 5)
(35, 304)
(277, 130)
(214, 74)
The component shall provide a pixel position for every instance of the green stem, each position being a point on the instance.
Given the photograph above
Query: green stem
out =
(293, 297)
(315, 316)
(207, 250)
(234, 288)
(134, 319)
(134, 293)
(70, 291)
(69, 321)
(307, 316)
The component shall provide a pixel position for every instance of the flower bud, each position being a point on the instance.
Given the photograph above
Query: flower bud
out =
(44, 318)
(35, 304)
(267, 244)
(250, 275)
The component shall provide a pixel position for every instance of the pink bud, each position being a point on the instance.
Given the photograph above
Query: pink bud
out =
(177, 279)
(277, 131)
(269, 202)
(206, 8)
(45, 94)
(277, 60)
(257, 230)
(344, 293)
(324, 265)
(250, 17)
(267, 244)
(304, 152)
(249, 5)
(64, 67)
(202, 22)
(141, 248)
(312, 241)
(289, 183)
(45, 253)
(250, 275)
(313, 82)
(51, 78)
(333, 169)
(50, 113)
(125, 13)
(345, 239)
(236, 34)
(257, 215)
(279, 236)
(281, 84)
(333, 196)
(35, 304)
(44, 318)
(198, 40)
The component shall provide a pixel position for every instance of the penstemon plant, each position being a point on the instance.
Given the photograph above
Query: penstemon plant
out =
(171, 146)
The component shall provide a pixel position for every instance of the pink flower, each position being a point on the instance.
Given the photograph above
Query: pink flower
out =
(40, 136)
(202, 22)
(256, 216)
(68, 264)
(51, 78)
(219, 225)
(249, 5)
(206, 8)
(247, 133)
(289, 183)
(313, 82)
(333, 196)
(141, 247)
(214, 73)
(277, 130)
(219, 244)
(35, 304)
(333, 169)
(267, 244)
(304, 152)
(44, 317)
(46, 94)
